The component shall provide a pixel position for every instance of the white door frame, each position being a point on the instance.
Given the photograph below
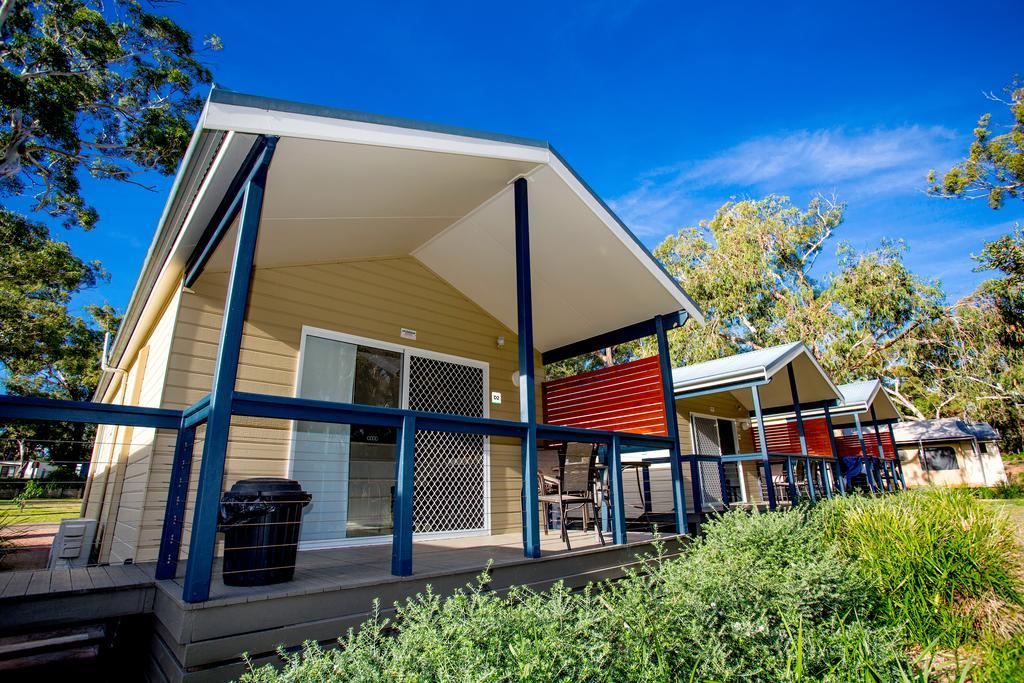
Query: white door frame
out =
(406, 351)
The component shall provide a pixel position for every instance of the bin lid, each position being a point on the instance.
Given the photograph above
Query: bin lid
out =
(266, 486)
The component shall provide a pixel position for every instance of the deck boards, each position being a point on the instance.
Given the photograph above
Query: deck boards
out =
(323, 570)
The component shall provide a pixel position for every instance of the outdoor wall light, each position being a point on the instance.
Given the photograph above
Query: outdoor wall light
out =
(501, 342)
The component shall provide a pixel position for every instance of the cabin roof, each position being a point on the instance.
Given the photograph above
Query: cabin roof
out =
(347, 185)
(944, 429)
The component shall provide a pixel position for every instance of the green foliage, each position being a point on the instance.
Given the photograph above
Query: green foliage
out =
(32, 489)
(1011, 489)
(947, 568)
(994, 167)
(104, 88)
(750, 269)
(1002, 661)
(760, 598)
(45, 349)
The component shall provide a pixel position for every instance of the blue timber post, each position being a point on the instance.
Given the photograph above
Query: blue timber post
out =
(791, 480)
(211, 475)
(615, 484)
(668, 395)
(899, 462)
(527, 388)
(886, 481)
(401, 541)
(769, 482)
(835, 451)
(864, 452)
(177, 494)
(801, 432)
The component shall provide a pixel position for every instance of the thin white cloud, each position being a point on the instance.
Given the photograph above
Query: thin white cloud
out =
(853, 164)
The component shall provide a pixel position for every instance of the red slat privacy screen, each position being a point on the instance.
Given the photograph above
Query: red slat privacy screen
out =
(783, 437)
(625, 398)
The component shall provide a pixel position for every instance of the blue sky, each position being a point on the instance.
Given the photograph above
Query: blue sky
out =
(668, 109)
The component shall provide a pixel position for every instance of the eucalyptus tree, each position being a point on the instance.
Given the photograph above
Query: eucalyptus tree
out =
(754, 268)
(994, 167)
(104, 89)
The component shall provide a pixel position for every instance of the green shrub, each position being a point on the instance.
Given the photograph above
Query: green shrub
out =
(32, 490)
(760, 598)
(946, 566)
(1010, 489)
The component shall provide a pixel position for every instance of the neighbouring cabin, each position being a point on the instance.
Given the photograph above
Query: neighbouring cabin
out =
(950, 452)
(755, 429)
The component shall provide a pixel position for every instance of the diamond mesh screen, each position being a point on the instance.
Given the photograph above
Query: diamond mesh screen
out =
(449, 485)
(706, 431)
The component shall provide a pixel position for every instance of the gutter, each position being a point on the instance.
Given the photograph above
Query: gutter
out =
(156, 256)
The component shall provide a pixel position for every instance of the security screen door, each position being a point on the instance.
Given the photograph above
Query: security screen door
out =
(716, 437)
(350, 470)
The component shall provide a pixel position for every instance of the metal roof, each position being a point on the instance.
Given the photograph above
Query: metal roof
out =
(231, 121)
(943, 429)
(758, 364)
(757, 368)
(859, 392)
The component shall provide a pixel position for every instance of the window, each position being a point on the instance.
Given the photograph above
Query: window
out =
(982, 447)
(940, 458)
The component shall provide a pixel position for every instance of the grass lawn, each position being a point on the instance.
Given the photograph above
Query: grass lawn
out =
(41, 510)
(1014, 507)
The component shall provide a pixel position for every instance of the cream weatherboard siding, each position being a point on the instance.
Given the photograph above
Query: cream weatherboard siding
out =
(373, 299)
(123, 455)
(976, 469)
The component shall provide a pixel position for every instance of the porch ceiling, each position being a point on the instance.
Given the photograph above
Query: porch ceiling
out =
(329, 201)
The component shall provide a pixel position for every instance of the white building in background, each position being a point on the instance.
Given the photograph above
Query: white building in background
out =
(949, 452)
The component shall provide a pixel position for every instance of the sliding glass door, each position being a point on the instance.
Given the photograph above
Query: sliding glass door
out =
(350, 470)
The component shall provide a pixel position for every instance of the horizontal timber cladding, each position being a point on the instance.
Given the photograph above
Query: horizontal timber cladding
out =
(784, 437)
(849, 444)
(374, 299)
(625, 398)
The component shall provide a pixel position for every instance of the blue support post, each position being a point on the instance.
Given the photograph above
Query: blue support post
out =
(838, 466)
(791, 480)
(401, 540)
(864, 453)
(615, 484)
(769, 482)
(211, 475)
(800, 432)
(174, 512)
(725, 486)
(672, 427)
(826, 478)
(899, 462)
(645, 474)
(527, 388)
(886, 482)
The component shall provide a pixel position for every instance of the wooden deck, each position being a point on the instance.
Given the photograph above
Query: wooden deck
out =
(32, 599)
(332, 591)
(317, 571)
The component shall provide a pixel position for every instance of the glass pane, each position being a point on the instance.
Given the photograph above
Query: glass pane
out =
(348, 469)
(378, 382)
(941, 458)
(321, 458)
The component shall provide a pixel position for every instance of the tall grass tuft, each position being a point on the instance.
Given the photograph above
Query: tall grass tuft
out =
(947, 568)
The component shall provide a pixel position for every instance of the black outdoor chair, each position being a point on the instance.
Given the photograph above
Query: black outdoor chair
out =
(571, 488)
